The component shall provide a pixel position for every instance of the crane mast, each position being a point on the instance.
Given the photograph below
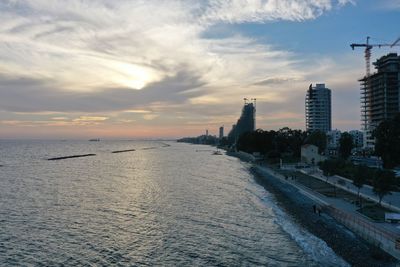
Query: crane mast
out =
(367, 54)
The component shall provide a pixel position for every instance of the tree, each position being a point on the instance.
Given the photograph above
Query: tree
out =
(387, 141)
(383, 183)
(224, 142)
(296, 141)
(317, 138)
(360, 177)
(328, 168)
(345, 145)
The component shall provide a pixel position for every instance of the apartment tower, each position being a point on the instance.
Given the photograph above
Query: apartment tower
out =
(318, 108)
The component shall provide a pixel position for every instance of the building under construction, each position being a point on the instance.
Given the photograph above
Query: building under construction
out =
(246, 122)
(380, 95)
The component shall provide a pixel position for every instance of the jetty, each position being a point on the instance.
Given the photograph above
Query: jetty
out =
(123, 151)
(148, 148)
(73, 156)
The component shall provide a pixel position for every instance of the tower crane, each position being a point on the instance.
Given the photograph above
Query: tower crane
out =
(368, 48)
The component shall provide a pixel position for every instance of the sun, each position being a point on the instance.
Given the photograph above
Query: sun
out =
(134, 76)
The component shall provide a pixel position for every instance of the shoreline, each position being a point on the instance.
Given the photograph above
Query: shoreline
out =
(342, 241)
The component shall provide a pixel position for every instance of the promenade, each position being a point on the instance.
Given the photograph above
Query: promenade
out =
(384, 235)
(391, 201)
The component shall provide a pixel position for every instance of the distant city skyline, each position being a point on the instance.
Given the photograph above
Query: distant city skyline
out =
(166, 69)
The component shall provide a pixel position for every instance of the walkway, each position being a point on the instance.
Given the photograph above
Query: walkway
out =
(389, 201)
(344, 211)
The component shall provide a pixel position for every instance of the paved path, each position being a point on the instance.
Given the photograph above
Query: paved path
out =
(389, 201)
(337, 203)
(346, 212)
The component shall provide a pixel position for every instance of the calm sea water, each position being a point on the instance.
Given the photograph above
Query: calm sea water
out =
(157, 206)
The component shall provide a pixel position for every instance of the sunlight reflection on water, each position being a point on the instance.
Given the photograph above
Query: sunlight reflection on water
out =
(162, 206)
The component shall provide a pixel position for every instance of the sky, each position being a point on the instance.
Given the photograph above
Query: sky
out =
(172, 68)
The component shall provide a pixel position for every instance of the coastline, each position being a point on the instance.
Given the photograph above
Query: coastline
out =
(342, 241)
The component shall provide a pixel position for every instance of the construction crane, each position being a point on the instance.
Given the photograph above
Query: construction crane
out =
(368, 48)
(395, 42)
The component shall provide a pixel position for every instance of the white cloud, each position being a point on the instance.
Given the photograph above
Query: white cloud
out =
(150, 117)
(90, 47)
(237, 11)
(83, 45)
(90, 118)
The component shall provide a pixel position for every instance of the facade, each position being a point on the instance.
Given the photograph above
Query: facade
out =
(310, 155)
(318, 108)
(358, 138)
(380, 95)
(372, 162)
(246, 122)
(333, 142)
(333, 138)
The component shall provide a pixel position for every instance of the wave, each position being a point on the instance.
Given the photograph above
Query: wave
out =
(314, 247)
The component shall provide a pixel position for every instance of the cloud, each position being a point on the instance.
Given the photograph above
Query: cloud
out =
(390, 4)
(148, 58)
(150, 117)
(90, 118)
(30, 95)
(89, 45)
(140, 111)
(276, 80)
(239, 11)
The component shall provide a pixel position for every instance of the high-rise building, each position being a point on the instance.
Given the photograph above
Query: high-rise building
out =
(318, 108)
(380, 95)
(246, 122)
(221, 132)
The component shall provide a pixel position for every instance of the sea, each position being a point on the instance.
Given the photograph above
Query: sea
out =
(163, 204)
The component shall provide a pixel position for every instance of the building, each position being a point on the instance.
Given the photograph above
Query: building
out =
(221, 132)
(310, 155)
(358, 138)
(246, 122)
(318, 108)
(372, 162)
(333, 138)
(380, 95)
(333, 142)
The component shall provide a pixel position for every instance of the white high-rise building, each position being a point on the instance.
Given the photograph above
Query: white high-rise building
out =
(318, 108)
